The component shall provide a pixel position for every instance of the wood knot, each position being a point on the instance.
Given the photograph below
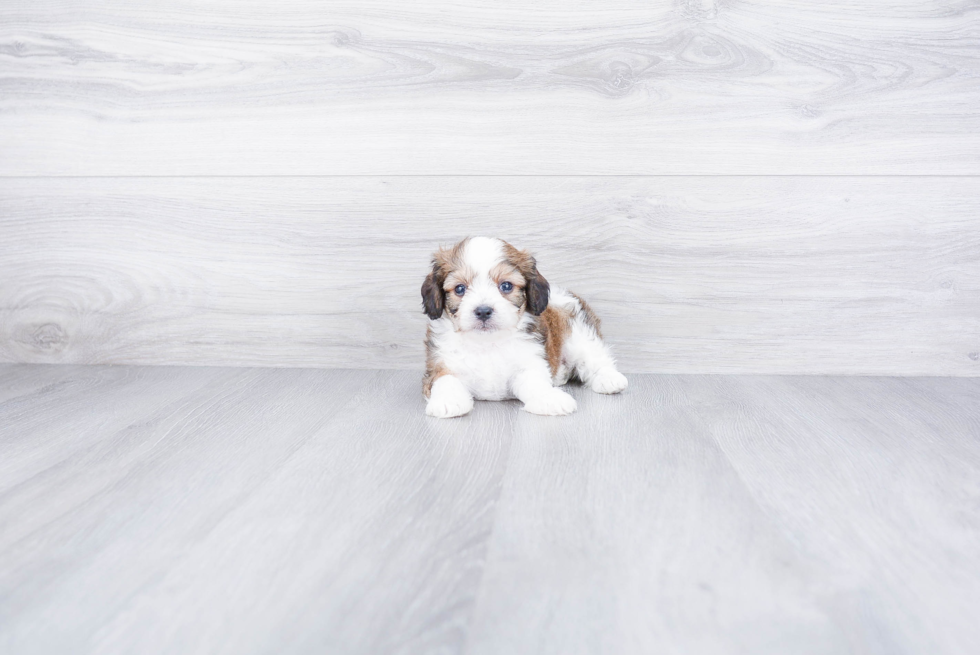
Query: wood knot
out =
(49, 337)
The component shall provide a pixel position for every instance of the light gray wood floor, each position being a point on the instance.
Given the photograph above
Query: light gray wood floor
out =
(208, 510)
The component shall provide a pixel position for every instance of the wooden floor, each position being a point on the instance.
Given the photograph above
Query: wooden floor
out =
(221, 510)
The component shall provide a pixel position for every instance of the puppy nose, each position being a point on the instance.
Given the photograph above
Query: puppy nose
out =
(483, 312)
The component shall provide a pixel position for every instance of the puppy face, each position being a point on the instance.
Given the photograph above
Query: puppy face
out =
(483, 285)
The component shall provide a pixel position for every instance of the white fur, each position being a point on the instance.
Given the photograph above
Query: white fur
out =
(482, 254)
(449, 398)
(588, 357)
(501, 359)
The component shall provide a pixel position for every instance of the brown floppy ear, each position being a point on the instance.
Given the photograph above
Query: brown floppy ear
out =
(536, 289)
(433, 296)
(537, 292)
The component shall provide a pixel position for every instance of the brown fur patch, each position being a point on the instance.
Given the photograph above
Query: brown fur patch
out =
(591, 319)
(554, 325)
(449, 259)
(536, 288)
(519, 259)
(454, 271)
(434, 296)
(459, 275)
(434, 369)
(505, 271)
(516, 297)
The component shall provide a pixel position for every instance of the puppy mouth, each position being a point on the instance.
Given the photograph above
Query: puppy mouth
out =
(482, 326)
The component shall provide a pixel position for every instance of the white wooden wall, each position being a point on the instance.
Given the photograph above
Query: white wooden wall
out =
(738, 186)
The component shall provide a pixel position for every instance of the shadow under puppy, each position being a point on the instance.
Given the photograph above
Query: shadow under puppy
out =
(498, 330)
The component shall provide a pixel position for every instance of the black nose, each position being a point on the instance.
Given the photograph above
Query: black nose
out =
(483, 312)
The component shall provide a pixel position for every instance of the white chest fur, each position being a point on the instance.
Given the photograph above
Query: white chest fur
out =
(486, 363)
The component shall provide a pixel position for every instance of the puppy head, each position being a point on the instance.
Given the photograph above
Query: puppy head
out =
(483, 285)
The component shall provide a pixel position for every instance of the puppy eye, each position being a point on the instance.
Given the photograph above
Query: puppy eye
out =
(460, 289)
(506, 286)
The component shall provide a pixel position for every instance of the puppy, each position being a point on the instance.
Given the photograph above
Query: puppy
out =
(498, 330)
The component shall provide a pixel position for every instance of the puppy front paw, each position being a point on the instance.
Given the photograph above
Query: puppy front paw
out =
(609, 380)
(448, 398)
(555, 402)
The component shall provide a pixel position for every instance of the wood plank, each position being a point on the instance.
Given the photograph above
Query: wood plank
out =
(626, 530)
(720, 514)
(73, 413)
(320, 511)
(875, 481)
(690, 274)
(215, 87)
(18, 380)
(272, 510)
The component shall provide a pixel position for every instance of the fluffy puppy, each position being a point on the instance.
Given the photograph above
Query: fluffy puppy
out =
(498, 330)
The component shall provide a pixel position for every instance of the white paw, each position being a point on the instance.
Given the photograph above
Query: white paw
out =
(448, 398)
(554, 402)
(609, 380)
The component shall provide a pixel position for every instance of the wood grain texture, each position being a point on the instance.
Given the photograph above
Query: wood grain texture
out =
(268, 510)
(214, 87)
(703, 274)
(720, 514)
(203, 510)
(626, 530)
(881, 491)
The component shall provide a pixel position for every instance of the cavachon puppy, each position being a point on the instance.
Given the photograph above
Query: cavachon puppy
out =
(498, 330)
